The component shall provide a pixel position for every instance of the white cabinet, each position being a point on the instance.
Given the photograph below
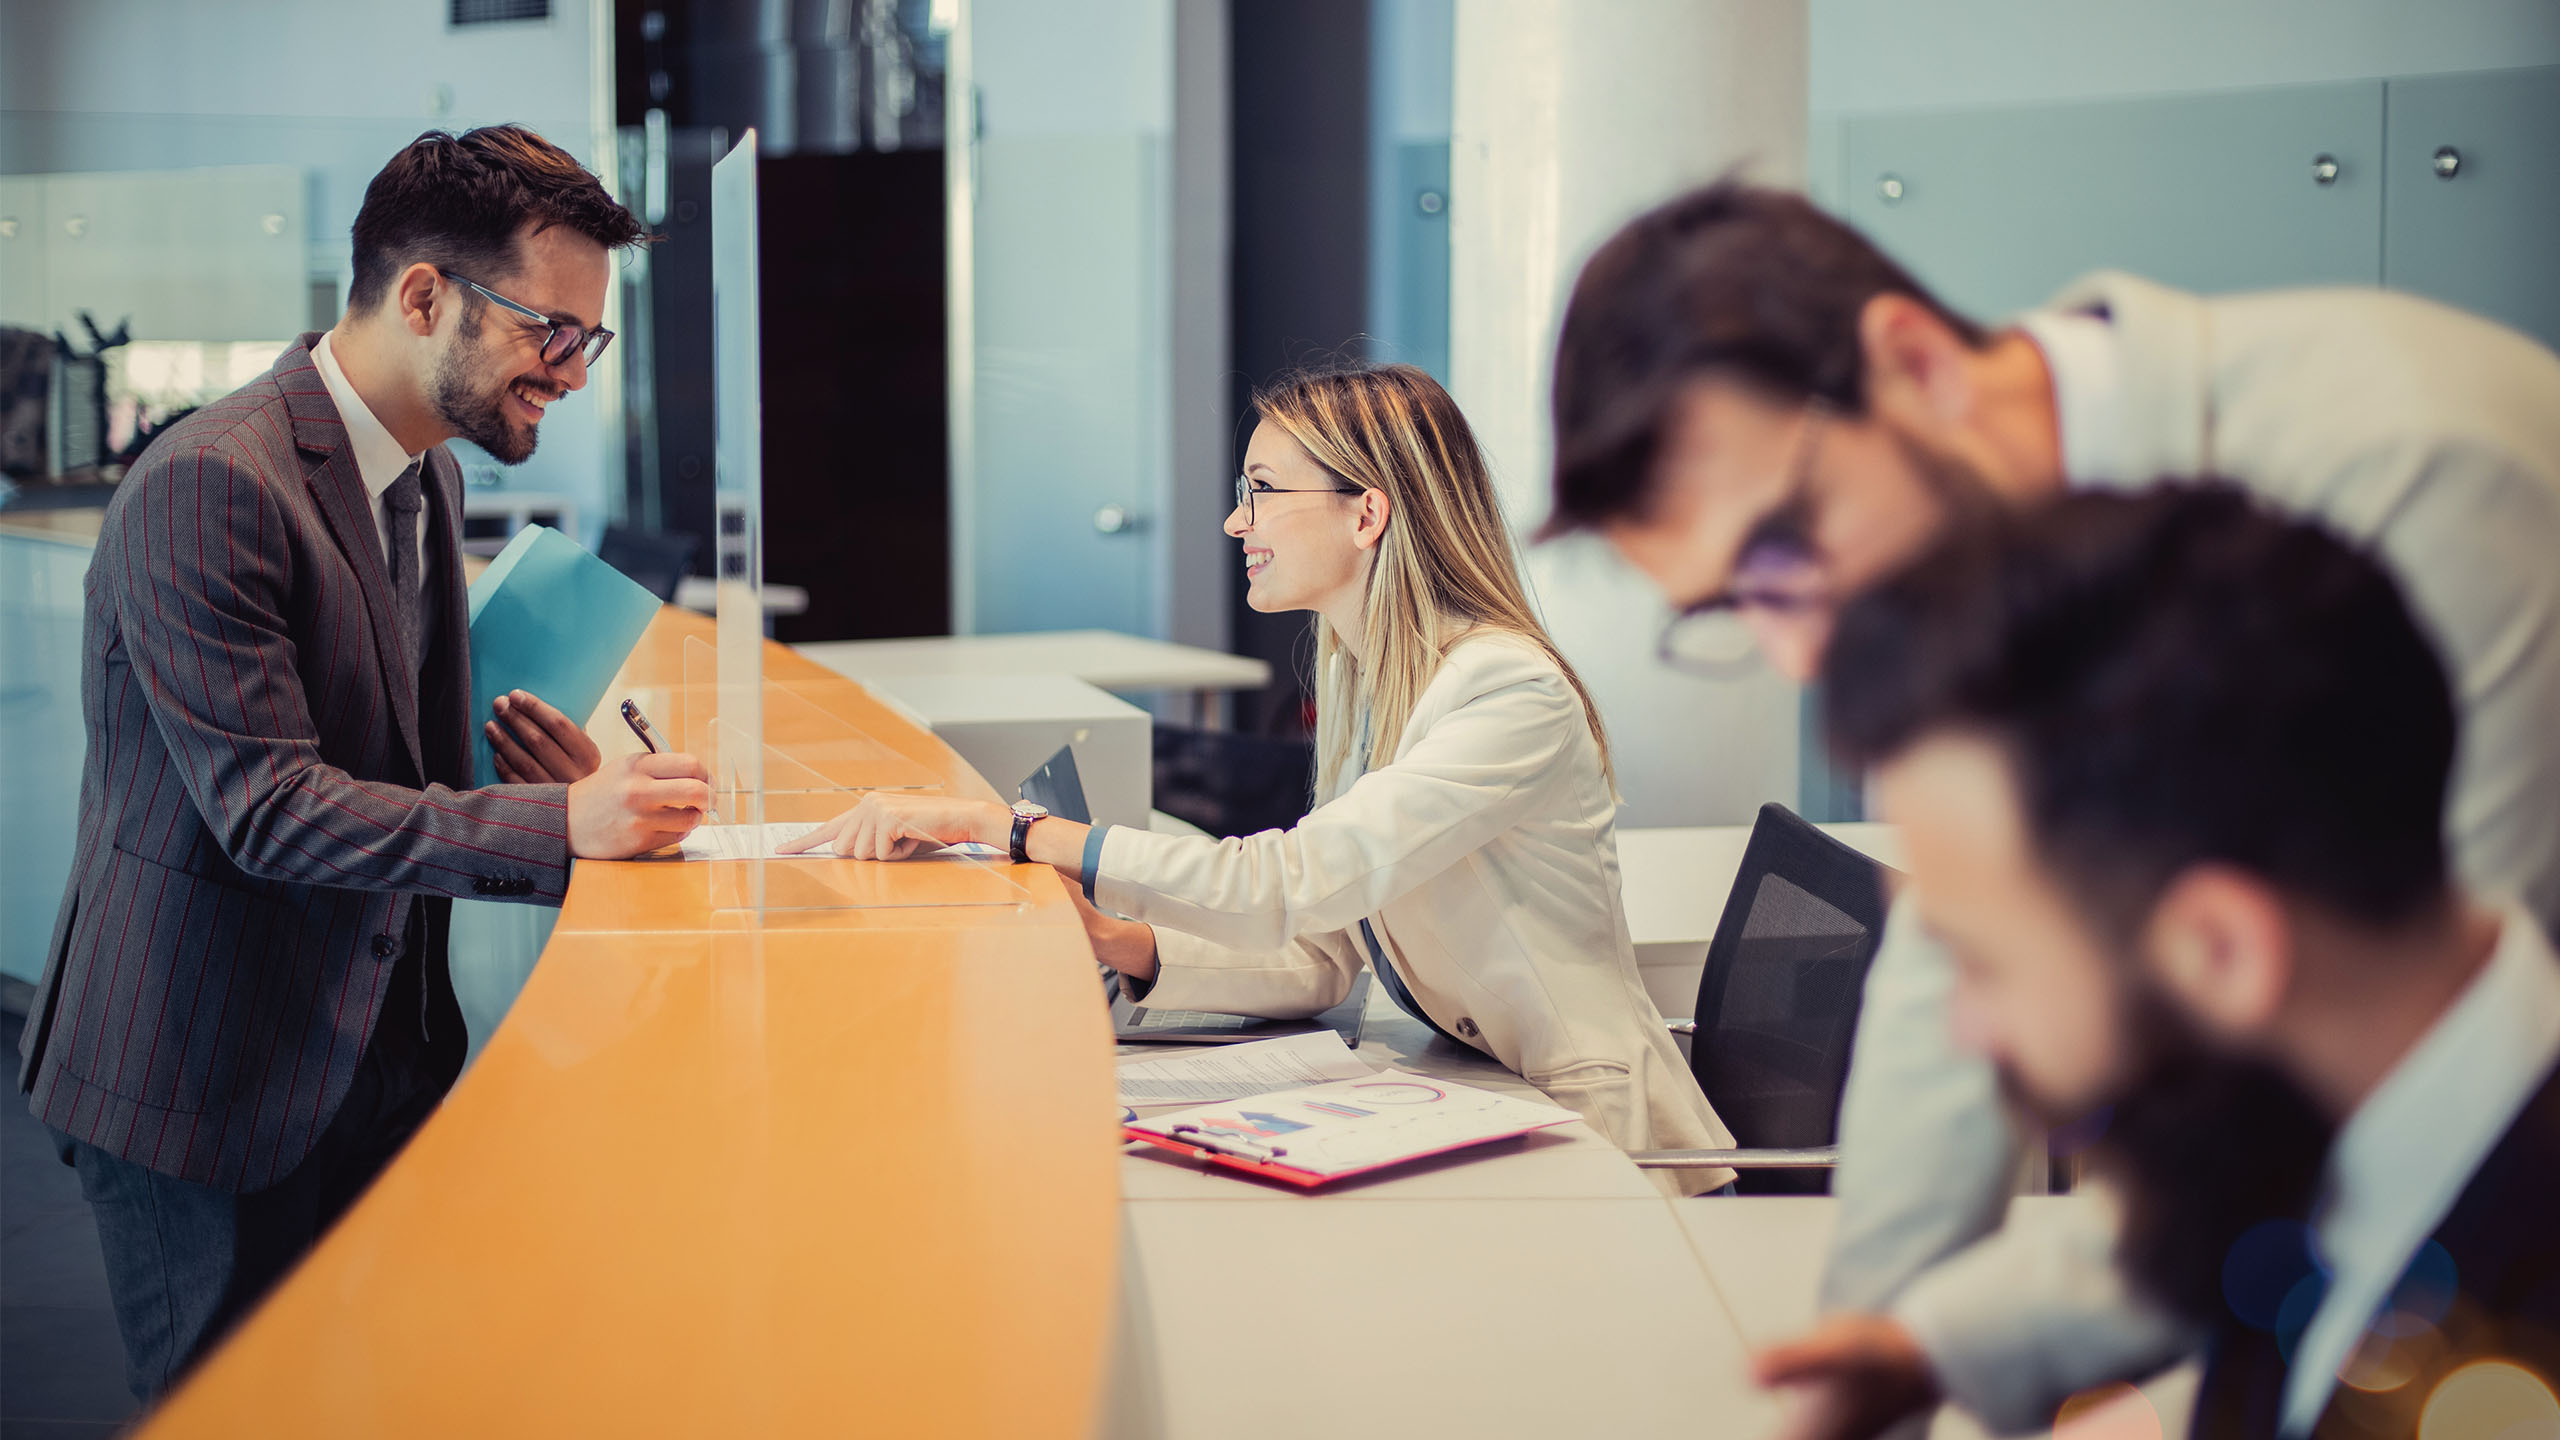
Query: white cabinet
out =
(203, 255)
(2471, 213)
(1995, 208)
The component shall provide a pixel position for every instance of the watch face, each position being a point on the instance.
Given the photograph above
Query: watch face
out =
(1030, 810)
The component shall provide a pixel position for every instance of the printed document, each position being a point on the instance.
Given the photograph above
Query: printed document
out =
(1232, 1072)
(765, 842)
(1344, 1127)
(749, 842)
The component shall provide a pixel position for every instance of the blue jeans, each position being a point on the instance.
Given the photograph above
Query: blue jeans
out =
(185, 1262)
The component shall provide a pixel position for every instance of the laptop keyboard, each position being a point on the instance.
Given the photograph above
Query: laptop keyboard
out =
(1148, 1018)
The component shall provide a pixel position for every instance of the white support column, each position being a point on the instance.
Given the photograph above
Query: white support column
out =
(1191, 607)
(1571, 119)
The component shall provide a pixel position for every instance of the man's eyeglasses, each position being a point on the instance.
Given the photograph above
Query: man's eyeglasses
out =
(1247, 487)
(561, 338)
(1778, 574)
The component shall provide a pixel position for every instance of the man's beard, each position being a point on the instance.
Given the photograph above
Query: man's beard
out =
(476, 416)
(2202, 1146)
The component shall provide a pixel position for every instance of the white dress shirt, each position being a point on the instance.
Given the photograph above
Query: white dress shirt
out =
(2406, 1154)
(379, 458)
(1485, 858)
(2088, 391)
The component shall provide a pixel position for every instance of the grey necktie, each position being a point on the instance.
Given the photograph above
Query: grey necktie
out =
(404, 499)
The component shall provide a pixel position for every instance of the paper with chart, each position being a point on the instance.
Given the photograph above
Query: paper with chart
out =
(1347, 1126)
(1231, 1072)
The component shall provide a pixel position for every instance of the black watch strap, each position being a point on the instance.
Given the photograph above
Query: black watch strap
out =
(1022, 836)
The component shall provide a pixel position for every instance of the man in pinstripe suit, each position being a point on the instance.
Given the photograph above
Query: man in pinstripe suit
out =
(246, 1009)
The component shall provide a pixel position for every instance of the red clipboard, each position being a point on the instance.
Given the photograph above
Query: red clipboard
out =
(1271, 1166)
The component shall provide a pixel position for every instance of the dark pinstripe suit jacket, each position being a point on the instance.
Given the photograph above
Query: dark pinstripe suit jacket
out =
(266, 796)
(2504, 1305)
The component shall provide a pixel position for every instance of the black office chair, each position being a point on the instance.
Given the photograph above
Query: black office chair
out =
(1778, 1006)
(656, 560)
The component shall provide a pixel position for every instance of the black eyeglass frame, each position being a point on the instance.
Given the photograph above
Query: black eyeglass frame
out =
(1245, 492)
(1740, 598)
(579, 337)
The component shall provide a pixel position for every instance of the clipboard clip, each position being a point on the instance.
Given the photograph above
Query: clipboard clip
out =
(1202, 1140)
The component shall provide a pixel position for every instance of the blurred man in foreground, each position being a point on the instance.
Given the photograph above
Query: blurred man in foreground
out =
(1766, 414)
(2170, 771)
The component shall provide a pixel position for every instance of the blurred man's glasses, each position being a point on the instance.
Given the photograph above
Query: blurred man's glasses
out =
(561, 338)
(1778, 576)
(1247, 488)
(1714, 638)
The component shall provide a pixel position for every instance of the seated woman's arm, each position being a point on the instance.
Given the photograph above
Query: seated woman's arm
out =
(1307, 976)
(1174, 971)
(1459, 787)
(1471, 777)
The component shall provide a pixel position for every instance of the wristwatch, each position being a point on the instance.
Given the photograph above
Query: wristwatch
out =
(1024, 812)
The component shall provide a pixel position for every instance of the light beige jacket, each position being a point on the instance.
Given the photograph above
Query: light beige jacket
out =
(1485, 858)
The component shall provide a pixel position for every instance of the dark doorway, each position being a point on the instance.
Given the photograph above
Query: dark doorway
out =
(851, 267)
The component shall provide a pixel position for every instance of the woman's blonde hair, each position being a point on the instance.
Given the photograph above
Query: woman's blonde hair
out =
(1444, 567)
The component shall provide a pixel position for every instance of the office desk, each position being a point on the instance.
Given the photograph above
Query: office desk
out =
(1107, 659)
(714, 1177)
(1765, 1256)
(1539, 1287)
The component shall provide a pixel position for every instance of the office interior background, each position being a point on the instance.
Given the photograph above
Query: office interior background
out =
(1023, 261)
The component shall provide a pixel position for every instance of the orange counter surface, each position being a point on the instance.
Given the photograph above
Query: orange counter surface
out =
(839, 1172)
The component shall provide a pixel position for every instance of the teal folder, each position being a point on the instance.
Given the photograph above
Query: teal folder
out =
(549, 618)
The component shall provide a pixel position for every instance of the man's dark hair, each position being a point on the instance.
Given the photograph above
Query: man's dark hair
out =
(458, 201)
(2176, 676)
(1732, 280)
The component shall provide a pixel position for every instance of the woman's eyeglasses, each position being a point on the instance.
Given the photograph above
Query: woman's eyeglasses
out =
(1248, 487)
(561, 338)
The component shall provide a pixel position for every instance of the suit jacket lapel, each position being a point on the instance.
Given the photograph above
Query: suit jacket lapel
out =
(329, 468)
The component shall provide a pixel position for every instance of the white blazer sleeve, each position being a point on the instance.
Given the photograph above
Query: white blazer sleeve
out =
(1465, 781)
(2034, 1314)
(1309, 974)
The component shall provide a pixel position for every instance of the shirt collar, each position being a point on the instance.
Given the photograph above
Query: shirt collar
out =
(379, 458)
(2088, 393)
(2405, 1156)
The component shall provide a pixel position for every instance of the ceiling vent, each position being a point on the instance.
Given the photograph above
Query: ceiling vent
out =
(493, 12)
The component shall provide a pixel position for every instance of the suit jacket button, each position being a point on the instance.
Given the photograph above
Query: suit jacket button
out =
(384, 947)
(1467, 1027)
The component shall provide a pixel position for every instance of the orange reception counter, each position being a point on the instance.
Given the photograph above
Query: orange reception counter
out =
(825, 1172)
(854, 1171)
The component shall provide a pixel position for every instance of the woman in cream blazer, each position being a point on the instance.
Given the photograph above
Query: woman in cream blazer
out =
(1464, 845)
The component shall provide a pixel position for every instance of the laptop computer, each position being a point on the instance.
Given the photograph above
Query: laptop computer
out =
(1057, 786)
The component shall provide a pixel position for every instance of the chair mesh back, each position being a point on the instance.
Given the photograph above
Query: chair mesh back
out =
(1778, 1004)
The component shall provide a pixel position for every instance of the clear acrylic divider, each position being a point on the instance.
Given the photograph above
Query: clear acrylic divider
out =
(777, 758)
(813, 765)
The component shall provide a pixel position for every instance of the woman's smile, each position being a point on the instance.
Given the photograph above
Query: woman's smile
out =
(1256, 560)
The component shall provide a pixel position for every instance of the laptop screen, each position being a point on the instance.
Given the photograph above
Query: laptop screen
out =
(1057, 788)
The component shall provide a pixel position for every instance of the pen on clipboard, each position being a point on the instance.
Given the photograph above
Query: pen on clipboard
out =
(652, 741)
